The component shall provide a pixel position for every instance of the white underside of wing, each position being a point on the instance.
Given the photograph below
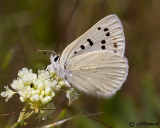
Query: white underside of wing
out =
(114, 41)
(99, 73)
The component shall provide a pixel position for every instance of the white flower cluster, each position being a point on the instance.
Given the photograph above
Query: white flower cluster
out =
(37, 90)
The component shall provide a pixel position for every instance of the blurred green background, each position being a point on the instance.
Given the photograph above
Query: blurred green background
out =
(29, 24)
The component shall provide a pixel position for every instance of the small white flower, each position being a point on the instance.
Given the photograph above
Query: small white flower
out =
(41, 86)
(58, 87)
(61, 82)
(35, 98)
(8, 93)
(26, 91)
(17, 84)
(72, 95)
(24, 71)
(46, 99)
(52, 94)
(43, 74)
(23, 99)
(27, 76)
(47, 91)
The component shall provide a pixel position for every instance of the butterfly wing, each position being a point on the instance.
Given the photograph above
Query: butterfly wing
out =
(100, 73)
(107, 34)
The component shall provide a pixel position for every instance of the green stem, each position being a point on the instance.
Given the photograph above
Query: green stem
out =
(22, 117)
(22, 114)
(62, 114)
(28, 115)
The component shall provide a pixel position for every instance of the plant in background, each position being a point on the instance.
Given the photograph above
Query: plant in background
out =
(37, 92)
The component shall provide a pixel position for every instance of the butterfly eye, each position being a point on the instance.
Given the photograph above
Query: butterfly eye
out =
(56, 58)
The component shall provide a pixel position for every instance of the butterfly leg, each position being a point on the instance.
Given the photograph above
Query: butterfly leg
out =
(66, 82)
(50, 67)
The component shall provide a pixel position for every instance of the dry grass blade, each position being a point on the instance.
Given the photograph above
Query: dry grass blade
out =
(68, 21)
(57, 123)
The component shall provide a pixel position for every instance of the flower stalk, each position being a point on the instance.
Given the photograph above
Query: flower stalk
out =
(22, 114)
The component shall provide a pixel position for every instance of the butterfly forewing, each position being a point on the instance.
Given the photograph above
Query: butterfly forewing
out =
(107, 34)
(99, 73)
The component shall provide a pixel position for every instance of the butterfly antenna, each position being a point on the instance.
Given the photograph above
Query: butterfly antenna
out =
(44, 51)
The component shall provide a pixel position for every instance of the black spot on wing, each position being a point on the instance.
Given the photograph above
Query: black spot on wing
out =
(106, 29)
(103, 47)
(75, 52)
(82, 47)
(90, 42)
(103, 41)
(115, 45)
(115, 51)
(99, 28)
(108, 34)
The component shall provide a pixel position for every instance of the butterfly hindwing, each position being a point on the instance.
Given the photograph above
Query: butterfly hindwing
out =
(107, 34)
(99, 73)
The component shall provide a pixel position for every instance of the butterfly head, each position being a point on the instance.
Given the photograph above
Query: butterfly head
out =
(54, 60)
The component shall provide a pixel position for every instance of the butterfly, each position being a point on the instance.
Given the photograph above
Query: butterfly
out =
(94, 63)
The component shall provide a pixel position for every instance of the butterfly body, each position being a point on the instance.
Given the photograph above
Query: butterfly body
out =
(95, 63)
